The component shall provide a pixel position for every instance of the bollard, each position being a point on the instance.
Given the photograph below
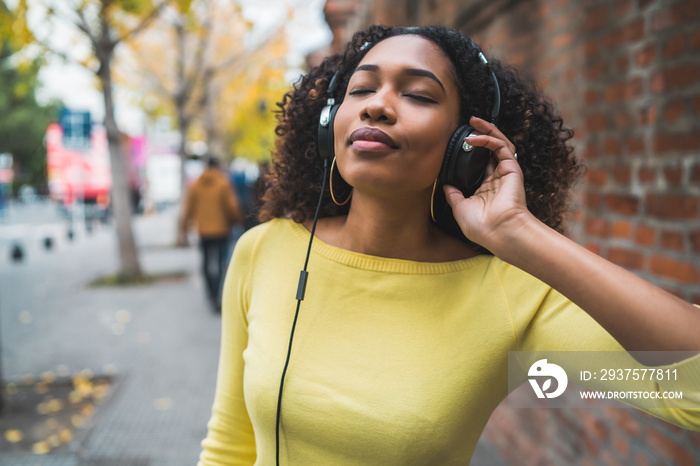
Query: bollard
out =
(17, 253)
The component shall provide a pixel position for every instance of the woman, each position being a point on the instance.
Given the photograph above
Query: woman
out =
(400, 351)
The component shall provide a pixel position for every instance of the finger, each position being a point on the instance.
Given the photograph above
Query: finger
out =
(489, 129)
(453, 195)
(504, 150)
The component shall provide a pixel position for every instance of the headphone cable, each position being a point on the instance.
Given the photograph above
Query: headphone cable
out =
(301, 289)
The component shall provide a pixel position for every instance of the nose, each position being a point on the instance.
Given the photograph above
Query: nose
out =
(379, 107)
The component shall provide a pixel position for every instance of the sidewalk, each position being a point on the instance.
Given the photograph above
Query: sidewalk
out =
(160, 342)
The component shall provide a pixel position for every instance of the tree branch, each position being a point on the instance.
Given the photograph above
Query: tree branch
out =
(143, 24)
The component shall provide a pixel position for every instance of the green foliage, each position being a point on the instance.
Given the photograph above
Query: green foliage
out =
(24, 121)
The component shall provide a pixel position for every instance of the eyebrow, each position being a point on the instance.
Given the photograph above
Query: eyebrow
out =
(407, 71)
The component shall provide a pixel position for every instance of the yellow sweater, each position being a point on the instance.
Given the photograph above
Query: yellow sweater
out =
(394, 362)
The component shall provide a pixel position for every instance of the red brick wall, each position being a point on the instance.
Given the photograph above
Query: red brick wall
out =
(625, 74)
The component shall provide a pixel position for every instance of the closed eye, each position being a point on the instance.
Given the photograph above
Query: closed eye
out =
(360, 91)
(421, 98)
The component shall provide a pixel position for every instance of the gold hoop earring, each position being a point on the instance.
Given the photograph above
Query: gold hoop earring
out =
(332, 195)
(432, 202)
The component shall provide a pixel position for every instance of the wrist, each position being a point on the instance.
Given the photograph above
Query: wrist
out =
(516, 236)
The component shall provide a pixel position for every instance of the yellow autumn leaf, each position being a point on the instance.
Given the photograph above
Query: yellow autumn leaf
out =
(54, 440)
(65, 435)
(41, 448)
(14, 435)
(77, 420)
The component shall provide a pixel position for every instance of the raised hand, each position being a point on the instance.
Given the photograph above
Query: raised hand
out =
(498, 206)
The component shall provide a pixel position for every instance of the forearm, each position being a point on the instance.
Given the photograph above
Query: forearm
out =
(638, 314)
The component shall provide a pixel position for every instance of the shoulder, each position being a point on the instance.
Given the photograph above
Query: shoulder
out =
(524, 293)
(274, 232)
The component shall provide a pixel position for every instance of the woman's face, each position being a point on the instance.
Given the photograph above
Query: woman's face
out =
(399, 111)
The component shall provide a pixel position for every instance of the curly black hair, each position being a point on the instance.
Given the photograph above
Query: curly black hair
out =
(527, 118)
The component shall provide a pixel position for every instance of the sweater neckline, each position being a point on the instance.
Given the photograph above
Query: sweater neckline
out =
(377, 263)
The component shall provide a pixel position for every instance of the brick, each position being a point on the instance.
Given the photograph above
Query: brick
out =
(620, 443)
(696, 300)
(695, 104)
(694, 238)
(647, 55)
(634, 30)
(674, 110)
(681, 271)
(592, 97)
(665, 142)
(594, 20)
(610, 459)
(592, 200)
(591, 447)
(622, 64)
(695, 174)
(623, 7)
(646, 175)
(628, 258)
(563, 39)
(695, 40)
(673, 206)
(622, 174)
(597, 176)
(623, 120)
(622, 203)
(615, 38)
(641, 459)
(595, 71)
(645, 236)
(597, 227)
(591, 150)
(670, 449)
(622, 229)
(626, 422)
(694, 437)
(597, 122)
(672, 240)
(591, 49)
(675, 77)
(675, 46)
(672, 17)
(674, 175)
(635, 145)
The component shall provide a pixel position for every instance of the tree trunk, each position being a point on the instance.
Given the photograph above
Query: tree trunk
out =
(128, 253)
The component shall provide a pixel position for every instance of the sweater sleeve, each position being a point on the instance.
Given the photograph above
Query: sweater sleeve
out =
(546, 321)
(230, 439)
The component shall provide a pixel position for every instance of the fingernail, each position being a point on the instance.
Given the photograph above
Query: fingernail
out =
(471, 135)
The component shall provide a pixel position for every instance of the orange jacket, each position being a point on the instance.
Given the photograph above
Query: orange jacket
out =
(212, 204)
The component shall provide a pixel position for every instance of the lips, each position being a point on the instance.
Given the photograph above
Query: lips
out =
(372, 135)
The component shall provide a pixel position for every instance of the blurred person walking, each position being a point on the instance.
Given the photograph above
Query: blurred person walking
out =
(212, 204)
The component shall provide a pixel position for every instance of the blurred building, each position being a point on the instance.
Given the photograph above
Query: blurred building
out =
(625, 74)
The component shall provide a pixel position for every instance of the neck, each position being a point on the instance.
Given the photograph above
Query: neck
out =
(397, 227)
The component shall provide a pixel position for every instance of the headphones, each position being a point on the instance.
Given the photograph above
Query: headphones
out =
(463, 166)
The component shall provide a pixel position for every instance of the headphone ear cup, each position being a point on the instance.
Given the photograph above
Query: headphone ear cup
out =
(449, 162)
(326, 137)
(464, 166)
